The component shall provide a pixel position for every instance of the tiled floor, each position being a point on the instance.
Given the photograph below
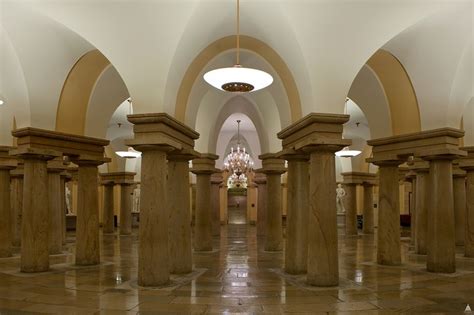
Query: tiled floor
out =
(239, 277)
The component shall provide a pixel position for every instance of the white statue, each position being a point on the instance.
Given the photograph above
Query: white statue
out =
(68, 200)
(136, 199)
(340, 194)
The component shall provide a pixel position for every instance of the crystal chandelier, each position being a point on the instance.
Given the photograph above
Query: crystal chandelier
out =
(238, 162)
(237, 78)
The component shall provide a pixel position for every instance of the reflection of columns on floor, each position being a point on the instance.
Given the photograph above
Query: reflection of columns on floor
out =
(421, 169)
(368, 210)
(16, 176)
(6, 164)
(296, 245)
(108, 225)
(459, 195)
(467, 164)
(261, 180)
(410, 177)
(56, 210)
(65, 177)
(156, 135)
(203, 167)
(273, 167)
(180, 240)
(35, 214)
(216, 181)
(321, 136)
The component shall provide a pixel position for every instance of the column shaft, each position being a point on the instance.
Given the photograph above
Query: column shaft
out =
(87, 219)
(153, 252)
(5, 214)
(35, 217)
(421, 212)
(459, 191)
(215, 204)
(388, 231)
(469, 227)
(351, 209)
(296, 253)
(63, 209)
(17, 207)
(203, 226)
(368, 210)
(126, 193)
(108, 208)
(261, 208)
(323, 265)
(180, 240)
(441, 247)
(55, 213)
(273, 216)
(413, 212)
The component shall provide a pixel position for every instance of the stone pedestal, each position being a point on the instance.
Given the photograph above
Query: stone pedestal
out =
(261, 181)
(16, 176)
(368, 210)
(6, 164)
(320, 135)
(108, 207)
(56, 214)
(35, 213)
(351, 208)
(296, 251)
(203, 167)
(156, 135)
(216, 181)
(273, 167)
(180, 240)
(459, 194)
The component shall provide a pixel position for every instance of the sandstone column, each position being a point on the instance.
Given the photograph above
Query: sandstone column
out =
(368, 210)
(55, 167)
(388, 231)
(440, 232)
(421, 205)
(203, 167)
(16, 203)
(126, 194)
(261, 181)
(273, 167)
(216, 181)
(296, 251)
(468, 166)
(180, 240)
(411, 178)
(35, 213)
(108, 224)
(459, 191)
(351, 208)
(156, 134)
(6, 164)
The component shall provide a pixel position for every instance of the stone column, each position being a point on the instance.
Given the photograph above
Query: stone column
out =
(16, 176)
(126, 199)
(108, 225)
(388, 231)
(296, 251)
(440, 224)
(203, 167)
(65, 177)
(459, 191)
(468, 166)
(56, 210)
(261, 180)
(411, 178)
(351, 208)
(368, 210)
(273, 167)
(422, 181)
(180, 240)
(87, 219)
(35, 213)
(216, 181)
(6, 164)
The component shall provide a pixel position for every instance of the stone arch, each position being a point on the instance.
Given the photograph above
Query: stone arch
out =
(228, 43)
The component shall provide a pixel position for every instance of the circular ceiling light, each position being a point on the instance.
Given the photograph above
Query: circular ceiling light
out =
(346, 152)
(2, 102)
(130, 154)
(238, 79)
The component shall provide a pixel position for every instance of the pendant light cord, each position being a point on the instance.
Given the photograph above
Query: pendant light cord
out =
(238, 131)
(238, 32)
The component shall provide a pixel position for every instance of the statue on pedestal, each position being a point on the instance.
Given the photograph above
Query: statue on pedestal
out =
(68, 200)
(340, 194)
(136, 199)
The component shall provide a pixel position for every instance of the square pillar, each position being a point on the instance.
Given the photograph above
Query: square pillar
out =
(216, 181)
(55, 167)
(6, 164)
(261, 181)
(16, 180)
(467, 164)
(422, 184)
(459, 195)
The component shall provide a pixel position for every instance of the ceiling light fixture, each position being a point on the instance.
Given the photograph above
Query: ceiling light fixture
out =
(238, 79)
(239, 161)
(130, 154)
(346, 152)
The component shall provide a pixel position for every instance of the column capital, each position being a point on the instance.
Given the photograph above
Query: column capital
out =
(89, 160)
(34, 153)
(418, 165)
(359, 178)
(260, 179)
(290, 154)
(271, 164)
(458, 172)
(56, 165)
(205, 164)
(217, 178)
(118, 178)
(467, 163)
(185, 154)
(7, 161)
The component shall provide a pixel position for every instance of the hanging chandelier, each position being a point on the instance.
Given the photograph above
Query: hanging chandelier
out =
(238, 79)
(238, 162)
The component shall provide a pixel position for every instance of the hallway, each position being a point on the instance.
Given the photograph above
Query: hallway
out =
(238, 277)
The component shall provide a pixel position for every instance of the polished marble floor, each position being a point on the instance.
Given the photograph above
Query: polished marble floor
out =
(238, 277)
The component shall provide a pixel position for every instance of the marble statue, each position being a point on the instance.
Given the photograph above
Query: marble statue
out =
(340, 194)
(68, 200)
(136, 199)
